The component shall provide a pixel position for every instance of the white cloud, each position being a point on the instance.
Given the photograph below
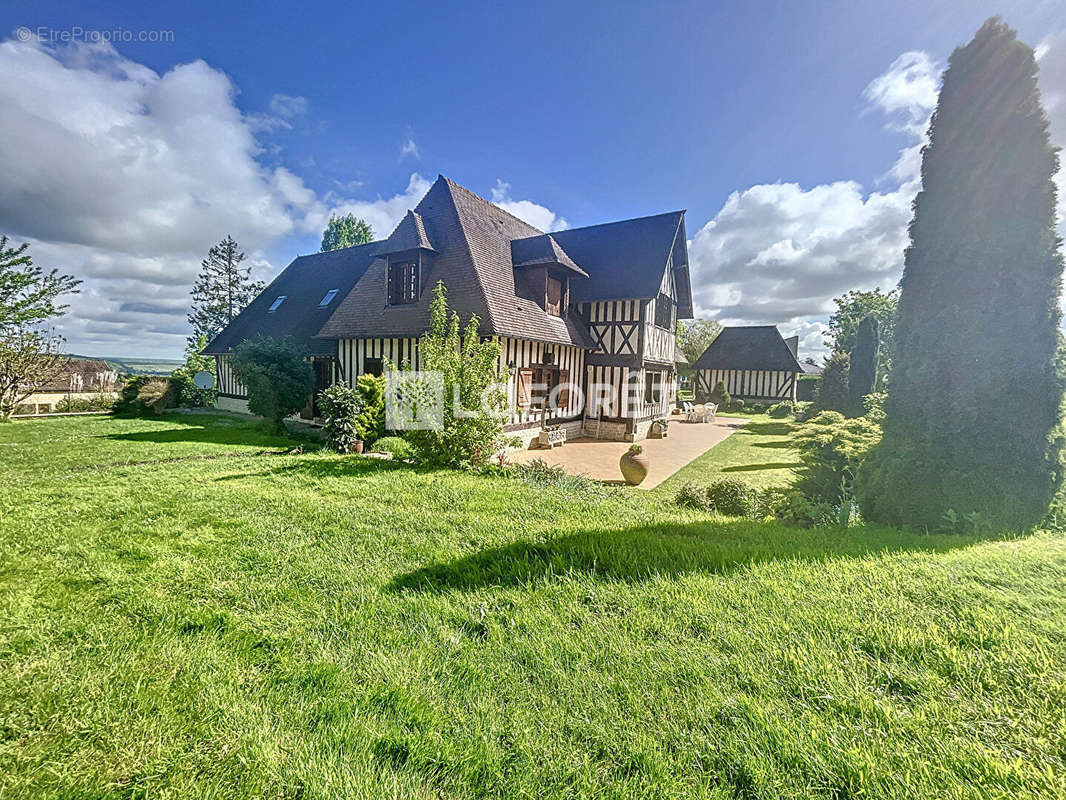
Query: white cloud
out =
(409, 148)
(124, 177)
(535, 214)
(778, 253)
(287, 106)
(382, 214)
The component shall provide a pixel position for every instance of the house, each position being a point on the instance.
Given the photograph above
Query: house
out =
(585, 316)
(74, 379)
(754, 362)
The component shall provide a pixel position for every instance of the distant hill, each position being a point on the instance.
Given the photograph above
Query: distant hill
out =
(139, 366)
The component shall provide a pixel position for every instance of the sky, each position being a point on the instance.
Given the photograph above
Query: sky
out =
(135, 137)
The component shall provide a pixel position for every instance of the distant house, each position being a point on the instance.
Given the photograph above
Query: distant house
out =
(755, 363)
(76, 379)
(587, 314)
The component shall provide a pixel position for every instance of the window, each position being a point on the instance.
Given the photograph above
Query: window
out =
(653, 386)
(374, 366)
(664, 311)
(328, 298)
(403, 283)
(274, 306)
(554, 299)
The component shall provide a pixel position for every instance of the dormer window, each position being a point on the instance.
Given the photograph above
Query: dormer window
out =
(328, 298)
(277, 303)
(553, 299)
(403, 283)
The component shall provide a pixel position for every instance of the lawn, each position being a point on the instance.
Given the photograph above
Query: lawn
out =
(190, 609)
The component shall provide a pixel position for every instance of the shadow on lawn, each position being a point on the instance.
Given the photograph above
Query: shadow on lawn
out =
(209, 429)
(339, 467)
(760, 467)
(637, 554)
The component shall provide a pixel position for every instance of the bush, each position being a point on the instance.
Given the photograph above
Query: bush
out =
(103, 402)
(831, 449)
(781, 410)
(720, 395)
(340, 408)
(370, 422)
(728, 496)
(833, 393)
(874, 406)
(736, 405)
(793, 508)
(394, 446)
(804, 411)
(188, 393)
(469, 369)
(146, 393)
(277, 375)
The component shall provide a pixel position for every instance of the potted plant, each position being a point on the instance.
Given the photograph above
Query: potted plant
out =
(357, 446)
(634, 464)
(660, 429)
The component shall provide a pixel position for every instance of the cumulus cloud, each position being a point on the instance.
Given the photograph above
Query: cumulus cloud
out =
(778, 253)
(124, 177)
(410, 148)
(535, 214)
(382, 214)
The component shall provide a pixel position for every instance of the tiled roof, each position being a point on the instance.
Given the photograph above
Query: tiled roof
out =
(754, 347)
(304, 284)
(542, 250)
(410, 234)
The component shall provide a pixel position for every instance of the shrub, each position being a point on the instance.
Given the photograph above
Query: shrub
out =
(340, 408)
(736, 405)
(727, 496)
(102, 402)
(793, 508)
(146, 393)
(394, 446)
(874, 406)
(833, 393)
(804, 411)
(539, 473)
(468, 366)
(781, 410)
(831, 450)
(190, 395)
(720, 395)
(277, 375)
(370, 422)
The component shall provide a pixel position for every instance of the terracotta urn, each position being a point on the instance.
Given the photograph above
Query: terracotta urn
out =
(634, 465)
(357, 446)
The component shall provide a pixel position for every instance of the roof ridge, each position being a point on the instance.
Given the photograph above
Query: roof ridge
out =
(502, 210)
(338, 249)
(622, 221)
(469, 250)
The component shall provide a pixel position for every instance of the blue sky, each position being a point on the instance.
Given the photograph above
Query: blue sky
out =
(765, 121)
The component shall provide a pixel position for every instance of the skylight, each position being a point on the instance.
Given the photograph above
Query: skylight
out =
(276, 303)
(328, 298)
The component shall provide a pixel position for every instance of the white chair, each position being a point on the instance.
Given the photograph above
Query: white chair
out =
(702, 413)
(686, 408)
(712, 409)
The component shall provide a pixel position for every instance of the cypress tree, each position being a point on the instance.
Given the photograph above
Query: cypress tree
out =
(973, 416)
(862, 374)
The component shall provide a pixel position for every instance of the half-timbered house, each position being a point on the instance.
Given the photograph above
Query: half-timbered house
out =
(754, 363)
(585, 316)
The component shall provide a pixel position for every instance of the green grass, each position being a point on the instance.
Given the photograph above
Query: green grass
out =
(225, 621)
(758, 453)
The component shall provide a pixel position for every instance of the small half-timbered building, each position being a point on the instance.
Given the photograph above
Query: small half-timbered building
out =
(586, 317)
(755, 363)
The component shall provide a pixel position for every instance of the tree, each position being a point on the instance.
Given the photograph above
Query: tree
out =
(973, 415)
(833, 392)
(469, 369)
(29, 303)
(277, 375)
(852, 309)
(221, 291)
(346, 231)
(695, 336)
(862, 372)
(189, 394)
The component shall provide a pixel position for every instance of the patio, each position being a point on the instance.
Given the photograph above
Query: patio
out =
(598, 458)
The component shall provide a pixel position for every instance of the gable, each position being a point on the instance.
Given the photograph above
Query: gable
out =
(755, 347)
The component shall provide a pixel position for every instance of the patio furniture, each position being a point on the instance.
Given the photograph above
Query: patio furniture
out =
(551, 437)
(702, 413)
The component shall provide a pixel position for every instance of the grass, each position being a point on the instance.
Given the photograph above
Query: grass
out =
(188, 613)
(758, 453)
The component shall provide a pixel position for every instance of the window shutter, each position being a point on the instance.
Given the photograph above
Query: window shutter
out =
(525, 383)
(563, 400)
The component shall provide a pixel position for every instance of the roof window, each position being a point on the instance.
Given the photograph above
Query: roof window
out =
(328, 298)
(274, 306)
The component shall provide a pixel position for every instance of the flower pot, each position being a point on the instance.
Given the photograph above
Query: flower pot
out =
(357, 446)
(634, 467)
